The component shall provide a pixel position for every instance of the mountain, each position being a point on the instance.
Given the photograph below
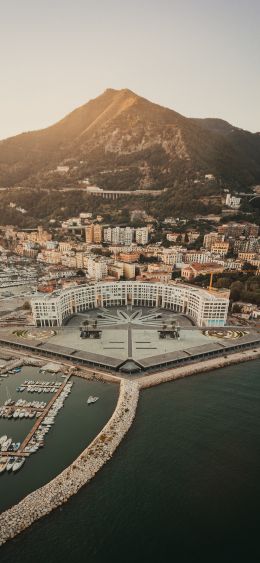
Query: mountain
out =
(120, 140)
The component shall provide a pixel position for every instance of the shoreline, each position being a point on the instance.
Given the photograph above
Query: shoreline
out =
(59, 490)
(200, 367)
(44, 500)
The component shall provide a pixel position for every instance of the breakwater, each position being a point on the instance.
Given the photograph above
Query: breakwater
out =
(17, 363)
(58, 491)
(197, 368)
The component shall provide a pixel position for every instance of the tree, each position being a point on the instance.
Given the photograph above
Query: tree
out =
(27, 306)
(236, 308)
(81, 274)
(236, 290)
(247, 267)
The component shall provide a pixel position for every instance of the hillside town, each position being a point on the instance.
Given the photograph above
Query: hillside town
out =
(85, 249)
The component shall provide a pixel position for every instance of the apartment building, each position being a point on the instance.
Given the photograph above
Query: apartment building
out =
(206, 308)
(142, 235)
(220, 247)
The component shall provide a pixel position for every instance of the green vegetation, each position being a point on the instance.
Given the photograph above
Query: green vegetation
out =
(133, 145)
(20, 333)
(243, 286)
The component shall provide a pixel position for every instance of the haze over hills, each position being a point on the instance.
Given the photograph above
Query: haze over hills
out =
(123, 141)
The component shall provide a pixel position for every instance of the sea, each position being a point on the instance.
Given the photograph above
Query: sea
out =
(183, 486)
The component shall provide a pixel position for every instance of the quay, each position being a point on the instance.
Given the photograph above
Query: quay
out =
(15, 454)
(42, 417)
(58, 491)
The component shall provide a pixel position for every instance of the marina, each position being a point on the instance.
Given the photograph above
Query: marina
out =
(35, 439)
(39, 386)
(21, 409)
(74, 427)
(59, 490)
(216, 408)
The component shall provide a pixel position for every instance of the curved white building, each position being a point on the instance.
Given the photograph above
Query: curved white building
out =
(206, 308)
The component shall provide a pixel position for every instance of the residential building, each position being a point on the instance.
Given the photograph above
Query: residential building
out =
(220, 248)
(142, 235)
(206, 308)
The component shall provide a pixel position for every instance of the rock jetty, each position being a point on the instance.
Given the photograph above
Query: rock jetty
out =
(42, 501)
(197, 368)
(20, 363)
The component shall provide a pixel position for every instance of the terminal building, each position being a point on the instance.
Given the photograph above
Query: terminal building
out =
(205, 308)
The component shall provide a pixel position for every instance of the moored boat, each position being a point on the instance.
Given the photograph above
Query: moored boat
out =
(3, 463)
(18, 464)
(10, 463)
(3, 439)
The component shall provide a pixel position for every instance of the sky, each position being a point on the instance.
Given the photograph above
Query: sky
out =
(198, 57)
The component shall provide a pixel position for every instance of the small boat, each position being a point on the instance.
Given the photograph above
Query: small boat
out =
(3, 439)
(10, 463)
(19, 461)
(6, 445)
(92, 400)
(3, 463)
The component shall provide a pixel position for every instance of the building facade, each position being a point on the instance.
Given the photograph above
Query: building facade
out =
(204, 307)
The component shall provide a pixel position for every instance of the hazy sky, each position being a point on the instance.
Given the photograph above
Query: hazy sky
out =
(199, 57)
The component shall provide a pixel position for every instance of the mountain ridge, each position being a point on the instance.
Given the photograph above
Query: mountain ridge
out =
(121, 131)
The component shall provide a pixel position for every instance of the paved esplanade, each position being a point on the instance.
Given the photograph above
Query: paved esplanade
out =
(130, 333)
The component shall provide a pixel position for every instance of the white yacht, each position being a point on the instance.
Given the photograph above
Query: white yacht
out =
(92, 400)
(19, 461)
(10, 463)
(3, 439)
(6, 444)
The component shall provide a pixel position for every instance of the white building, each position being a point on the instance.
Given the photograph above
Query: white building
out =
(107, 234)
(232, 201)
(204, 307)
(141, 235)
(173, 257)
(97, 269)
(119, 235)
(198, 257)
(211, 238)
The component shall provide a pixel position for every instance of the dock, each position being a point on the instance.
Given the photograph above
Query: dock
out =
(14, 454)
(20, 452)
(41, 418)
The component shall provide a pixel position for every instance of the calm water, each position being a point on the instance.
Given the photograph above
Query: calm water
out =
(183, 486)
(75, 426)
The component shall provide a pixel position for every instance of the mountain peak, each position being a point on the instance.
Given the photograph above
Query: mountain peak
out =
(122, 141)
(122, 90)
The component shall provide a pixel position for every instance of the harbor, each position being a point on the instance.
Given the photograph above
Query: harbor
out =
(83, 469)
(74, 427)
(13, 457)
(57, 491)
